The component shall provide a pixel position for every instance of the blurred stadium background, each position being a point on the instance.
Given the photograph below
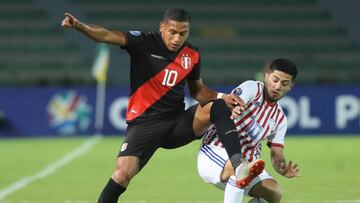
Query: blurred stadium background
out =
(48, 95)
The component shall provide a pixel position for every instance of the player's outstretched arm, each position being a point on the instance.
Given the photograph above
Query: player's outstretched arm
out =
(200, 92)
(278, 161)
(94, 32)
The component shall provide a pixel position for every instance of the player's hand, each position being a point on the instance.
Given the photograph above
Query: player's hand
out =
(69, 21)
(233, 100)
(236, 111)
(289, 170)
(235, 103)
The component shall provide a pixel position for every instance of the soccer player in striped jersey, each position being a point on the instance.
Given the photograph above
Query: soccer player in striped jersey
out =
(262, 119)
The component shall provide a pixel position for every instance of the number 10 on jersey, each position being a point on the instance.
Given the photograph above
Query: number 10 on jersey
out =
(169, 78)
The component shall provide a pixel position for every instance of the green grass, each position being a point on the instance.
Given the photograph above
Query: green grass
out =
(329, 168)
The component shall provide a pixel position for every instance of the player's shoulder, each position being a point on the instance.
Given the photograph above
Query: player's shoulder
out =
(191, 46)
(251, 84)
(247, 86)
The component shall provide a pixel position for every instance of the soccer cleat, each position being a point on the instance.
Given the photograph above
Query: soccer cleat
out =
(247, 171)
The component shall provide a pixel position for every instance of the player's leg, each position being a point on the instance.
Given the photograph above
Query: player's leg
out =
(232, 193)
(211, 161)
(126, 169)
(218, 113)
(140, 143)
(215, 168)
(267, 189)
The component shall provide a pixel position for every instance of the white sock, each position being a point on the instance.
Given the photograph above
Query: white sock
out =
(232, 193)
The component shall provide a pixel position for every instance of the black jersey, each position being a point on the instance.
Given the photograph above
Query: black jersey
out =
(157, 76)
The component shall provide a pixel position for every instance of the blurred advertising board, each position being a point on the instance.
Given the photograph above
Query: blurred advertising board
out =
(63, 111)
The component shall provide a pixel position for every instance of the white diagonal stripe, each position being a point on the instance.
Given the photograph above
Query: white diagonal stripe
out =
(48, 170)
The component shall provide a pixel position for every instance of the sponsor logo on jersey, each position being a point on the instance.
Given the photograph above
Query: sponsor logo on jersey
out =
(185, 61)
(69, 112)
(124, 146)
(135, 33)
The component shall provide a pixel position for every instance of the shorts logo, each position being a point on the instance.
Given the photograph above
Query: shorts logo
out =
(135, 33)
(186, 61)
(124, 147)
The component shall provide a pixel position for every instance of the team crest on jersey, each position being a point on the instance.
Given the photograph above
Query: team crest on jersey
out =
(272, 125)
(185, 61)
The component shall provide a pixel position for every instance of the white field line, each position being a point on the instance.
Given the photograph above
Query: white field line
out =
(49, 169)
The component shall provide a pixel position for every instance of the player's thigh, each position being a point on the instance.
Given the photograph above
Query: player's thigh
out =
(257, 181)
(211, 161)
(143, 139)
(183, 132)
(202, 117)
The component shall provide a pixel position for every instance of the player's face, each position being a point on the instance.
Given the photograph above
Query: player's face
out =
(174, 33)
(277, 84)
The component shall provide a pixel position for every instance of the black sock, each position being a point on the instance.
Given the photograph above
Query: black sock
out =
(111, 192)
(226, 129)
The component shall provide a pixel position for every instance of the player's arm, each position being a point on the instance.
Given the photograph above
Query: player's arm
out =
(279, 163)
(94, 32)
(201, 92)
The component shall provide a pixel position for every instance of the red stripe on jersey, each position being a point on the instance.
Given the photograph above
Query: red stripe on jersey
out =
(272, 115)
(252, 154)
(281, 119)
(245, 126)
(247, 148)
(217, 142)
(246, 116)
(269, 144)
(258, 90)
(268, 115)
(277, 114)
(262, 113)
(151, 91)
(265, 134)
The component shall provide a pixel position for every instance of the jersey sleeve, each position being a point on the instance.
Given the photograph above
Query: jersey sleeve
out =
(277, 138)
(195, 72)
(135, 41)
(247, 90)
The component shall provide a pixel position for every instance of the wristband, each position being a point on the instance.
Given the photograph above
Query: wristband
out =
(219, 95)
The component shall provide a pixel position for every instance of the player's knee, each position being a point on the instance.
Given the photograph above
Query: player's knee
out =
(275, 194)
(122, 176)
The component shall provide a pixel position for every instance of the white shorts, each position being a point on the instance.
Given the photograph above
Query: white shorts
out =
(211, 161)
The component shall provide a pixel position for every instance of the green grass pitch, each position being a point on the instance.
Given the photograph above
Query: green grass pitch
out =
(329, 167)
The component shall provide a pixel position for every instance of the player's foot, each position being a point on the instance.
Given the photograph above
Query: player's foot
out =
(247, 171)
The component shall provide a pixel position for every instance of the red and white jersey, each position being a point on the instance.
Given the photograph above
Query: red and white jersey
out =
(261, 120)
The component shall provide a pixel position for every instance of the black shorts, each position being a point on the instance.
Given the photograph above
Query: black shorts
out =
(171, 131)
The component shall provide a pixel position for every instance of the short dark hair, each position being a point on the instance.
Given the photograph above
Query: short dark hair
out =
(284, 65)
(177, 14)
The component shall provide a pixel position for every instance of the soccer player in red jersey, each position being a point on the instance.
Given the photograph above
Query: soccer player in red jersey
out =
(162, 63)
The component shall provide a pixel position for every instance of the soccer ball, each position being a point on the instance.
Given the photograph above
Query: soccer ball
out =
(257, 200)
